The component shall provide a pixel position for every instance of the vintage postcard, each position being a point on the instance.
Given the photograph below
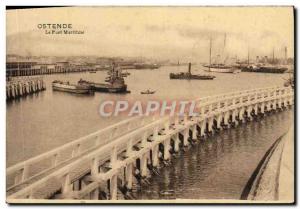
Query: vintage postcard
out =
(150, 104)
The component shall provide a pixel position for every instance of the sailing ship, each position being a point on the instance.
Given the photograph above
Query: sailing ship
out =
(219, 67)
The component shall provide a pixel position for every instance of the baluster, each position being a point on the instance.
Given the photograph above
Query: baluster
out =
(155, 156)
(167, 126)
(195, 132)
(129, 147)
(55, 159)
(176, 141)
(167, 149)
(76, 150)
(113, 157)
(155, 132)
(129, 176)
(66, 185)
(203, 110)
(94, 167)
(25, 172)
(144, 140)
(144, 168)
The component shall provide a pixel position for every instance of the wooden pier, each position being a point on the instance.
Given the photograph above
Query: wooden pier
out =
(107, 164)
(19, 87)
(14, 69)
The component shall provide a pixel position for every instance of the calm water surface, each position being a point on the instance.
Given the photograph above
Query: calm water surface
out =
(46, 120)
(219, 167)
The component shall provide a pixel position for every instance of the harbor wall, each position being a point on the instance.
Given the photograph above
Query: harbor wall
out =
(274, 178)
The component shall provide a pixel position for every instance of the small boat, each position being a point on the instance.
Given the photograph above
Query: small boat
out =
(147, 92)
(167, 192)
(126, 73)
(71, 88)
(107, 79)
(93, 71)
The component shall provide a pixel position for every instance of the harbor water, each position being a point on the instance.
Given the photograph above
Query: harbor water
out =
(216, 168)
(220, 166)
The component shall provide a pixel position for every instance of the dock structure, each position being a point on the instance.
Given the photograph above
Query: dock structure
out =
(19, 87)
(109, 163)
(14, 69)
(47, 71)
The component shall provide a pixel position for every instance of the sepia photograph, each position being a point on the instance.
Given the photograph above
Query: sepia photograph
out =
(150, 104)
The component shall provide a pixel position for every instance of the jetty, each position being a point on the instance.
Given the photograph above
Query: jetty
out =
(20, 87)
(108, 163)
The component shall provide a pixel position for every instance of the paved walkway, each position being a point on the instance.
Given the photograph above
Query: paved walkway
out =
(275, 180)
(286, 176)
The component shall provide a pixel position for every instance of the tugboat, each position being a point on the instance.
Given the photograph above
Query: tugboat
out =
(71, 88)
(115, 82)
(188, 75)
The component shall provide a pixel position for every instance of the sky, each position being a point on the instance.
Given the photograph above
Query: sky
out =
(175, 33)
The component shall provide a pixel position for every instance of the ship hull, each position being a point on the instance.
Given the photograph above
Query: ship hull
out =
(103, 87)
(264, 70)
(109, 88)
(191, 77)
(146, 66)
(70, 88)
(221, 70)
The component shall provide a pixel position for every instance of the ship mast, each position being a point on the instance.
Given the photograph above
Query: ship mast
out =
(285, 55)
(224, 49)
(189, 69)
(209, 53)
(248, 55)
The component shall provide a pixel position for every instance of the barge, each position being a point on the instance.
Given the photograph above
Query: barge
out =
(71, 88)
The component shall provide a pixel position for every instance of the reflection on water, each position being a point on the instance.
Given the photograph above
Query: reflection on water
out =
(43, 121)
(219, 167)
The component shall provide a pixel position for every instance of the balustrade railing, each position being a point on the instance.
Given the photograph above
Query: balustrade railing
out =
(100, 144)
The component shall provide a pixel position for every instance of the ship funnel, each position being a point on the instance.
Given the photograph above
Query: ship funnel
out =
(190, 66)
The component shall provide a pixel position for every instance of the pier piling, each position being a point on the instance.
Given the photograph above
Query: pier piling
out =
(19, 87)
